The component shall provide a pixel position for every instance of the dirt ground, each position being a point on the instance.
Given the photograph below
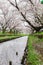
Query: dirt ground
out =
(39, 48)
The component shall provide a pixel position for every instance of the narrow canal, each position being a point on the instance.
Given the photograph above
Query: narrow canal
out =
(11, 52)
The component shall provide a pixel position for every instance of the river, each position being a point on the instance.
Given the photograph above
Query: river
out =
(11, 52)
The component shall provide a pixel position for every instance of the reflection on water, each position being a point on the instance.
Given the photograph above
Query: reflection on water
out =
(11, 52)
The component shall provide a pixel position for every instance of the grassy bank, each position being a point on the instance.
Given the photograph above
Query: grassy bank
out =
(35, 50)
(6, 38)
(9, 36)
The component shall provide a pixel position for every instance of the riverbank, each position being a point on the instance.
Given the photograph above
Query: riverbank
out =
(35, 50)
(9, 36)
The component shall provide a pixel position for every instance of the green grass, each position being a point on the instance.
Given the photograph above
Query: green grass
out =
(12, 34)
(39, 33)
(6, 38)
(33, 56)
(9, 36)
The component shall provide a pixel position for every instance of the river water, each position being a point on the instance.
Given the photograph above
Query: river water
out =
(11, 52)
